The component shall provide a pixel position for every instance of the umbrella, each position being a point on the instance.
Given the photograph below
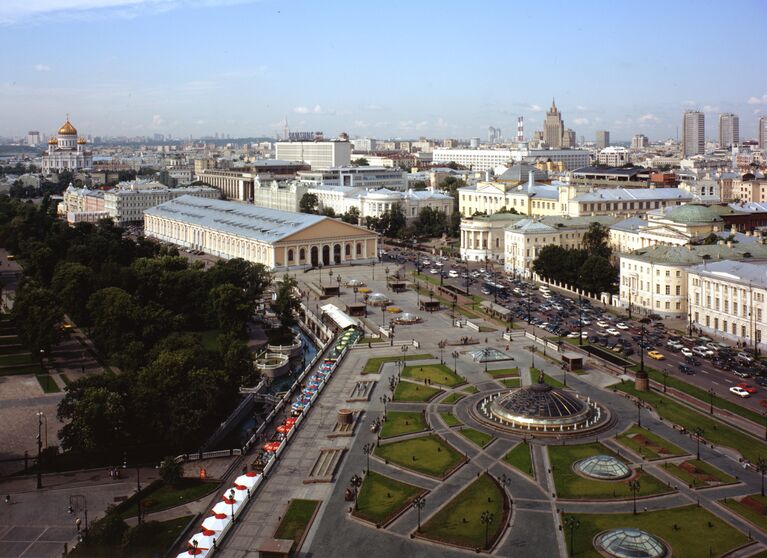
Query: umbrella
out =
(222, 508)
(218, 521)
(203, 540)
(291, 422)
(198, 552)
(246, 480)
(253, 473)
(283, 429)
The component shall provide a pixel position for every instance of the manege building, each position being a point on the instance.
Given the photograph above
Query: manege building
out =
(278, 239)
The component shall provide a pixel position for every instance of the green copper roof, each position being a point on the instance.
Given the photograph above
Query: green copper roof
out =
(691, 213)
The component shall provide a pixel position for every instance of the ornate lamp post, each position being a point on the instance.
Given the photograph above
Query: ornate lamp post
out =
(487, 519)
(572, 524)
(367, 449)
(634, 486)
(711, 393)
(418, 503)
(698, 431)
(455, 367)
(442, 344)
(338, 281)
(355, 289)
(39, 449)
(231, 498)
(761, 466)
(404, 353)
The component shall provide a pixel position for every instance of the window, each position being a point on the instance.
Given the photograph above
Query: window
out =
(668, 305)
(290, 255)
(668, 289)
(668, 273)
(302, 254)
(716, 323)
(657, 288)
(678, 290)
(724, 326)
(742, 331)
(734, 329)
(678, 305)
(697, 299)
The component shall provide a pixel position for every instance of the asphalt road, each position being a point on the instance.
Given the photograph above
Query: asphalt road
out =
(706, 376)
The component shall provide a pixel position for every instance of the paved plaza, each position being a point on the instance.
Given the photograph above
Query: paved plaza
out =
(533, 529)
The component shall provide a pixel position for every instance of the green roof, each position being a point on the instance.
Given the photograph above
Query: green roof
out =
(692, 213)
(694, 255)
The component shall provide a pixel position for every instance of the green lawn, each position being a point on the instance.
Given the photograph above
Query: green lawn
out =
(549, 380)
(697, 473)
(21, 369)
(398, 423)
(511, 382)
(573, 486)
(450, 419)
(429, 455)
(479, 438)
(702, 394)
(470, 389)
(453, 398)
(65, 379)
(459, 522)
(520, 457)
(373, 365)
(691, 531)
(414, 393)
(714, 431)
(296, 520)
(752, 507)
(648, 444)
(381, 498)
(156, 544)
(47, 383)
(436, 373)
(164, 496)
(505, 372)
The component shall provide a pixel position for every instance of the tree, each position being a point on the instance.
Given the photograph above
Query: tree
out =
(232, 307)
(419, 185)
(286, 303)
(597, 275)
(352, 216)
(308, 203)
(95, 415)
(37, 314)
(74, 284)
(595, 241)
(107, 531)
(393, 222)
(116, 319)
(171, 471)
(328, 211)
(430, 222)
(361, 162)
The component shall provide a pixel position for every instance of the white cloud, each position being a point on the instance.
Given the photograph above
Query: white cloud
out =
(711, 108)
(20, 11)
(316, 109)
(42, 68)
(580, 107)
(535, 108)
(758, 100)
(690, 103)
(581, 121)
(360, 124)
(157, 121)
(374, 107)
(649, 117)
(301, 110)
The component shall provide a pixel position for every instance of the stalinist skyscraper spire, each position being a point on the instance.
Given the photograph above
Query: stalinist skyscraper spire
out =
(553, 127)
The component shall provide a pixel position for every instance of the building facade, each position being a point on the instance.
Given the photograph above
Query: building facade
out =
(483, 236)
(727, 299)
(359, 177)
(693, 133)
(602, 139)
(280, 240)
(729, 130)
(640, 141)
(553, 127)
(127, 202)
(284, 195)
(66, 151)
(319, 154)
(614, 156)
(761, 132)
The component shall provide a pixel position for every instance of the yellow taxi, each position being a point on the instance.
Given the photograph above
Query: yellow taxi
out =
(656, 355)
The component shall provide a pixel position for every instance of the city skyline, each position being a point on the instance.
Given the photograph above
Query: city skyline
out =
(239, 67)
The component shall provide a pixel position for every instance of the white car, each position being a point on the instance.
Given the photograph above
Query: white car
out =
(573, 335)
(452, 273)
(739, 391)
(602, 323)
(621, 325)
(613, 331)
(686, 352)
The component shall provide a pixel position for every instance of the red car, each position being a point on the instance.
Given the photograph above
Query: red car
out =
(747, 387)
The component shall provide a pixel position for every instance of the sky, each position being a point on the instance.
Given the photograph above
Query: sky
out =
(395, 69)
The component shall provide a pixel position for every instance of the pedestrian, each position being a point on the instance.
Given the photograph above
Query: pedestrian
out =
(78, 522)
(8, 499)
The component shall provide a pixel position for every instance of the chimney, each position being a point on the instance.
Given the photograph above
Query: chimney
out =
(530, 181)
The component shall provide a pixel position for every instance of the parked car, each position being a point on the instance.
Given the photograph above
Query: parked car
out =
(739, 391)
(686, 352)
(613, 331)
(740, 373)
(656, 355)
(748, 387)
(621, 325)
(702, 351)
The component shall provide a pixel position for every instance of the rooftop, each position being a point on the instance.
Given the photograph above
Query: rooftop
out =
(555, 223)
(632, 224)
(694, 255)
(245, 220)
(744, 273)
(633, 194)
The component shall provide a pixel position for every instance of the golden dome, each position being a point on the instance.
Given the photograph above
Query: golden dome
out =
(52, 141)
(67, 129)
(82, 141)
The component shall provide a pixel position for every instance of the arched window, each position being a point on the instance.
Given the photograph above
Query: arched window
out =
(348, 250)
(290, 255)
(302, 254)
(359, 248)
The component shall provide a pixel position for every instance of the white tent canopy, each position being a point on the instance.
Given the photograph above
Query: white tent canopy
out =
(341, 318)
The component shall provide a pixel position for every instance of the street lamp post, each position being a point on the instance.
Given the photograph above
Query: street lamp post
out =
(442, 344)
(418, 503)
(487, 519)
(231, 498)
(355, 289)
(665, 377)
(404, 355)
(580, 320)
(455, 369)
(711, 393)
(761, 466)
(319, 266)
(698, 435)
(572, 523)
(39, 449)
(634, 486)
(367, 449)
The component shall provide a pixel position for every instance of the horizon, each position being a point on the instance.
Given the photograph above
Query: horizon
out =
(143, 67)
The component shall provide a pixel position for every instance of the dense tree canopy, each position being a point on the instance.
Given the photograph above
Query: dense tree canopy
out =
(308, 203)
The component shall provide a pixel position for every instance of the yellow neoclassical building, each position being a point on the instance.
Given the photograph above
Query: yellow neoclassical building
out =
(278, 239)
